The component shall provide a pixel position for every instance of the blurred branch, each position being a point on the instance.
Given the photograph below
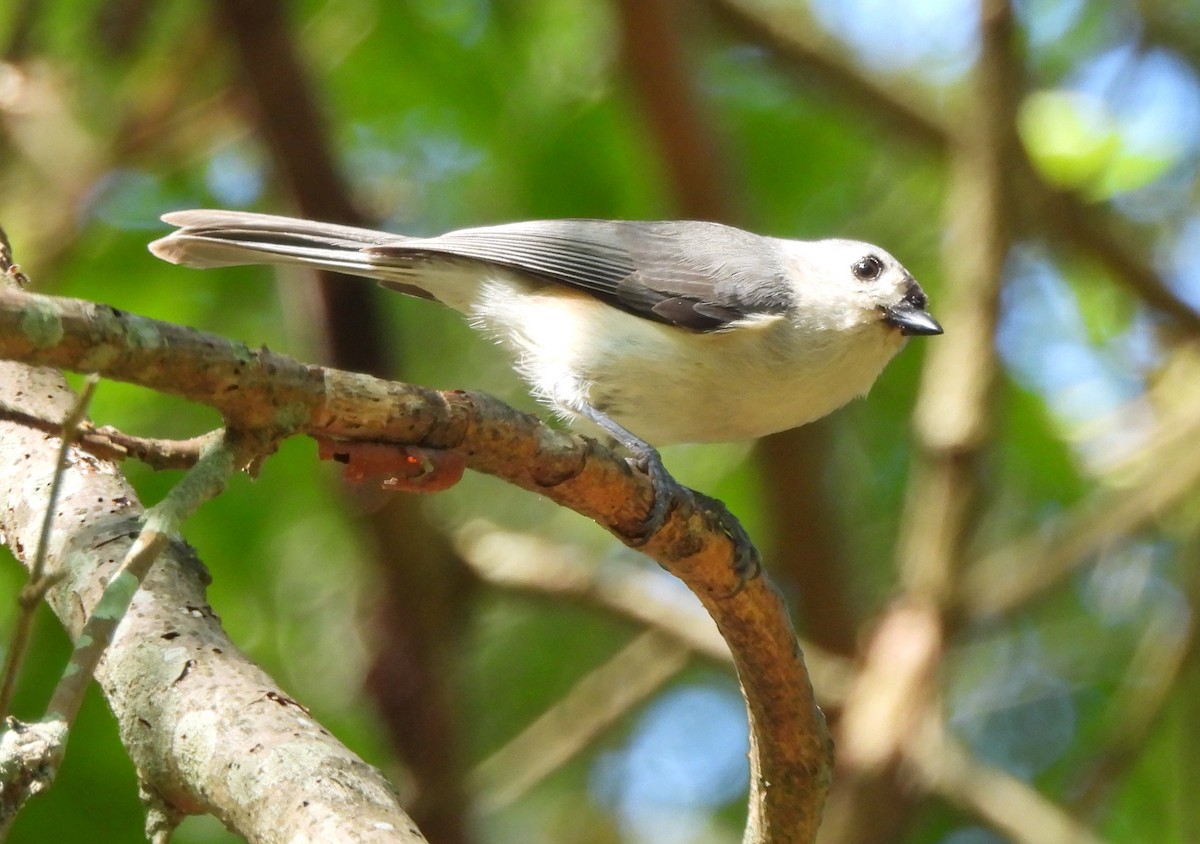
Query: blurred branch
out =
(1154, 670)
(1009, 805)
(286, 111)
(952, 429)
(590, 708)
(1135, 493)
(954, 411)
(689, 149)
(807, 553)
(21, 23)
(813, 59)
(263, 391)
(531, 564)
(1090, 230)
(414, 630)
(206, 729)
(535, 565)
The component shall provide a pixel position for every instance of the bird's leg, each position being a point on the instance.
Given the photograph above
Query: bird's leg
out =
(747, 564)
(646, 459)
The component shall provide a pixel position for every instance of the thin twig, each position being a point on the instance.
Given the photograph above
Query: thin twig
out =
(109, 443)
(155, 452)
(37, 584)
(204, 481)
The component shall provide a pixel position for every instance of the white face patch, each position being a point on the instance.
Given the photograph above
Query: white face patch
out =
(827, 291)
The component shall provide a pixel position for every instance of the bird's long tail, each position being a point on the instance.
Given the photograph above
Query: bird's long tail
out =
(231, 238)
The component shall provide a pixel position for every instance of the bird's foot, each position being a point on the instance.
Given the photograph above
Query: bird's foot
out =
(666, 489)
(747, 563)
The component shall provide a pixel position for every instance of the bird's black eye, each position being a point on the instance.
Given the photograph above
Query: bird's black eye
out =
(868, 268)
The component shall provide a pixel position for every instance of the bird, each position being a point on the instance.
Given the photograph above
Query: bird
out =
(649, 332)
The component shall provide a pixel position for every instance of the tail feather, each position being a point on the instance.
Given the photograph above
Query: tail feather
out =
(231, 238)
(415, 266)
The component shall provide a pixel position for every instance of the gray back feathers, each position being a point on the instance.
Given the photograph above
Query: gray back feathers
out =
(695, 275)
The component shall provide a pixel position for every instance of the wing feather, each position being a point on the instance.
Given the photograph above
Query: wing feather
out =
(701, 276)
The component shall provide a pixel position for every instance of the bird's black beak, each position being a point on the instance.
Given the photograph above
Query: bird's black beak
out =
(911, 316)
(911, 321)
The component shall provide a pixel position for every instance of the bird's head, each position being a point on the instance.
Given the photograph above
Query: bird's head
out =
(854, 284)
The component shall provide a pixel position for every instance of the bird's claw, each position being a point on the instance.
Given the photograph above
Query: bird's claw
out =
(747, 563)
(666, 491)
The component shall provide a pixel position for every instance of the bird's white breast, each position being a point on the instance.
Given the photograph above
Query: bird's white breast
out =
(669, 385)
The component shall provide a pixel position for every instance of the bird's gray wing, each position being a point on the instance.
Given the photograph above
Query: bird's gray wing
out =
(699, 276)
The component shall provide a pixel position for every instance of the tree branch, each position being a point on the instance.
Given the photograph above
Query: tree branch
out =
(263, 391)
(423, 595)
(207, 729)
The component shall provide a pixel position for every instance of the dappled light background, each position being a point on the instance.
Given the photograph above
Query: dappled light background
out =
(1065, 662)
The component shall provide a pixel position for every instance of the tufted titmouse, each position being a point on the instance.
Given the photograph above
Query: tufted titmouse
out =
(655, 332)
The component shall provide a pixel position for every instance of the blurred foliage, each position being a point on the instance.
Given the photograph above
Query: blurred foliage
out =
(465, 112)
